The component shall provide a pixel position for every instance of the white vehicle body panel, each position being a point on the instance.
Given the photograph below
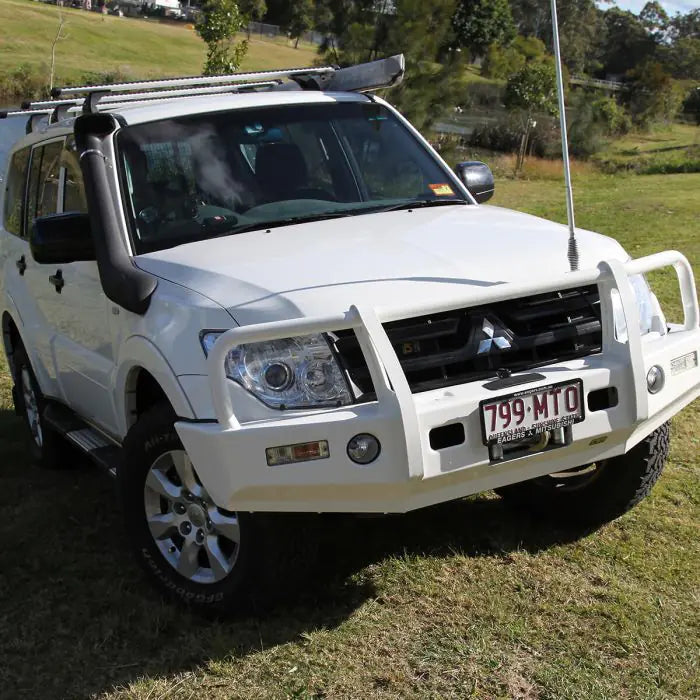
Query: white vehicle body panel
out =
(356, 272)
(400, 258)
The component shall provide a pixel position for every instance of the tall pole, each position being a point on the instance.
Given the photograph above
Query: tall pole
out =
(572, 252)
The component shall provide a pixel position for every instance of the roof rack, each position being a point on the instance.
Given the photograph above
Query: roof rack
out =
(155, 94)
(364, 77)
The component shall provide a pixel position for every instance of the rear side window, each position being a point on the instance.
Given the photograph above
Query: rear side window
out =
(47, 195)
(44, 172)
(14, 191)
(74, 189)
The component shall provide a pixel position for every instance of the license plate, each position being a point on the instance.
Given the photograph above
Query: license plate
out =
(531, 412)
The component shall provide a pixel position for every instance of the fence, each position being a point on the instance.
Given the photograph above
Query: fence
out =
(273, 30)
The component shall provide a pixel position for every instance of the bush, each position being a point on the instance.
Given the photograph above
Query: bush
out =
(486, 95)
(506, 134)
(25, 83)
(691, 104)
(611, 116)
(653, 96)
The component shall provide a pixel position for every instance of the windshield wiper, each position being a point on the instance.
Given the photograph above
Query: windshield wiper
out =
(309, 218)
(419, 203)
(287, 221)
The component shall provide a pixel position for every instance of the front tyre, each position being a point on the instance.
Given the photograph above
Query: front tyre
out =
(597, 493)
(193, 551)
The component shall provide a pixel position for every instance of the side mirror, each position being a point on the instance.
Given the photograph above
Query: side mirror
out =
(478, 179)
(61, 238)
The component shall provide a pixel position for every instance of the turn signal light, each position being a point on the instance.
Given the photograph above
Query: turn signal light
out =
(302, 452)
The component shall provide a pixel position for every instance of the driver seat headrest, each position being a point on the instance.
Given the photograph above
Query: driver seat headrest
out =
(280, 169)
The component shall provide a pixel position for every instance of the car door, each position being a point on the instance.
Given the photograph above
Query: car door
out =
(71, 302)
(16, 266)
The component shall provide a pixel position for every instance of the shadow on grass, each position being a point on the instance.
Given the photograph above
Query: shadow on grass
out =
(77, 617)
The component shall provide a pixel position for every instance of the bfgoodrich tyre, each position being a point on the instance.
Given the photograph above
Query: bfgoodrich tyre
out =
(595, 493)
(193, 551)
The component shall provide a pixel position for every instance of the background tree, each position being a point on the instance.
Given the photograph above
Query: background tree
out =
(655, 20)
(625, 42)
(369, 29)
(653, 97)
(580, 25)
(530, 92)
(301, 19)
(218, 24)
(252, 10)
(502, 61)
(478, 23)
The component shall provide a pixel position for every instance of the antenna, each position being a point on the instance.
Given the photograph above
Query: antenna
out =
(572, 252)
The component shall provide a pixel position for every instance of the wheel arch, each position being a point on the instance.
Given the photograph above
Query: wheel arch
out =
(11, 338)
(144, 377)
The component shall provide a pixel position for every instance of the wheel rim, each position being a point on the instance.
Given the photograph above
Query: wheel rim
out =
(31, 408)
(198, 539)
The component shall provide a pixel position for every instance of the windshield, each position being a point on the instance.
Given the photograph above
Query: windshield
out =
(200, 176)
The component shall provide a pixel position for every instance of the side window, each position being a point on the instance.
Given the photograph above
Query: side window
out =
(44, 171)
(47, 196)
(14, 191)
(74, 189)
(30, 204)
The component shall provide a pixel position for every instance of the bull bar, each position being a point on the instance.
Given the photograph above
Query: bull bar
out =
(230, 456)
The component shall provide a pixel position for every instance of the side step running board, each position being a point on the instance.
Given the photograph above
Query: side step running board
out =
(94, 444)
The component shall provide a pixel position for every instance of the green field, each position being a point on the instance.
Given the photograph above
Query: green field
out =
(135, 47)
(462, 600)
(667, 149)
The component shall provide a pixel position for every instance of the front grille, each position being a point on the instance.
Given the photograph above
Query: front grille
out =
(464, 345)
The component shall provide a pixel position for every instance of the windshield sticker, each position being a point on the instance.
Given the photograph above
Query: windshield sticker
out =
(441, 190)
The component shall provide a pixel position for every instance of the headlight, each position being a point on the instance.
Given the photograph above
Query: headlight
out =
(651, 317)
(296, 372)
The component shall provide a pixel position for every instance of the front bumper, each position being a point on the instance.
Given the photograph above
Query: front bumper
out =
(230, 459)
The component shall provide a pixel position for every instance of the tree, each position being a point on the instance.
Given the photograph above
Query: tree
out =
(301, 19)
(60, 36)
(253, 11)
(655, 20)
(479, 23)
(653, 97)
(218, 24)
(370, 29)
(529, 92)
(579, 28)
(625, 42)
(503, 61)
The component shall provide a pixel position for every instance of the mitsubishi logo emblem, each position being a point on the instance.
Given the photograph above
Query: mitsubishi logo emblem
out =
(495, 336)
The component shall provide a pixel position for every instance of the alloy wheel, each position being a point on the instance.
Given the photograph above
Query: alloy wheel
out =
(198, 539)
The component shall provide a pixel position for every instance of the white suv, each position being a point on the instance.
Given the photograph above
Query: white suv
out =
(244, 298)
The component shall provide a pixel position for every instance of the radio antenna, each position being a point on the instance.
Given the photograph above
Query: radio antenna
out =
(572, 252)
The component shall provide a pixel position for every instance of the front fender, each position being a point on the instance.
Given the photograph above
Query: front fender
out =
(138, 353)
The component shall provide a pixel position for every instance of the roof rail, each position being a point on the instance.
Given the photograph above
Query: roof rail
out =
(35, 116)
(109, 100)
(189, 81)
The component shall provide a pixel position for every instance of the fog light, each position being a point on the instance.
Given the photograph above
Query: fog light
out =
(363, 448)
(655, 379)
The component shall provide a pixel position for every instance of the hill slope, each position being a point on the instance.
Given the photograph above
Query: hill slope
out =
(134, 46)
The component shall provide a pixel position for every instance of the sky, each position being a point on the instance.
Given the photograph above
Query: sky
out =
(671, 6)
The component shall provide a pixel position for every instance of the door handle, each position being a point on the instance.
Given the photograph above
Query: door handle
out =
(57, 280)
(22, 265)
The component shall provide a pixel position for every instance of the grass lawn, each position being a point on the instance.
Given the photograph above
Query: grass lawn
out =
(671, 148)
(136, 47)
(462, 600)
